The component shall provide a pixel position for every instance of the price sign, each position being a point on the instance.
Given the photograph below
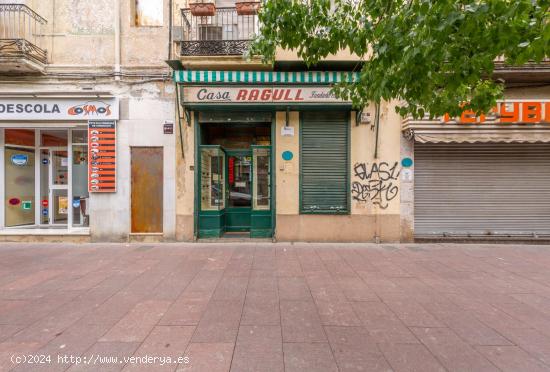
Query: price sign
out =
(101, 156)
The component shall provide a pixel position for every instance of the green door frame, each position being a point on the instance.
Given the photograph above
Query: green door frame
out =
(265, 232)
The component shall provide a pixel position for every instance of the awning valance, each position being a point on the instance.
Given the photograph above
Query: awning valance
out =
(477, 133)
(264, 77)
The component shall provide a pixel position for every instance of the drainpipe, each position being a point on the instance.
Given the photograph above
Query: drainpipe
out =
(170, 30)
(117, 40)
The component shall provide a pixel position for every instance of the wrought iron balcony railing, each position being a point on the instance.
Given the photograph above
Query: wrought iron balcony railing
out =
(20, 28)
(225, 33)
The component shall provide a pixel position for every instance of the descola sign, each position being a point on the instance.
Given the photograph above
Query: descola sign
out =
(58, 108)
(259, 94)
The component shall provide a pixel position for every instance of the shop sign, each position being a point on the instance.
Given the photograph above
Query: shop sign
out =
(231, 170)
(509, 112)
(101, 156)
(259, 94)
(287, 131)
(168, 127)
(19, 159)
(26, 205)
(58, 108)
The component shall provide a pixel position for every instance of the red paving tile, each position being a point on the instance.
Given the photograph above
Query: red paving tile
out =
(208, 357)
(511, 358)
(274, 307)
(410, 358)
(301, 322)
(258, 349)
(309, 357)
(454, 354)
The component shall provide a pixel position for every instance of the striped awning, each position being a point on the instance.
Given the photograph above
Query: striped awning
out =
(263, 77)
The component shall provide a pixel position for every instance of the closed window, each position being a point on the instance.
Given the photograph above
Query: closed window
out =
(324, 162)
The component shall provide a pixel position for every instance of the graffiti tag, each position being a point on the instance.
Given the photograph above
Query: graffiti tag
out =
(375, 183)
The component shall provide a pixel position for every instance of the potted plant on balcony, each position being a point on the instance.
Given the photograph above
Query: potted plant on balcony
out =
(202, 8)
(247, 7)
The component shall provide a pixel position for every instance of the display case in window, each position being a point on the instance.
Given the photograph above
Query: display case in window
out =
(261, 196)
(212, 178)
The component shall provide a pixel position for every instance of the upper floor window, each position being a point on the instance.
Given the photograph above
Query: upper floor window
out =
(148, 13)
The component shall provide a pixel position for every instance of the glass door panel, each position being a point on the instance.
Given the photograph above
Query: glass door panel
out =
(60, 206)
(212, 178)
(44, 186)
(19, 201)
(60, 167)
(261, 178)
(240, 180)
(80, 187)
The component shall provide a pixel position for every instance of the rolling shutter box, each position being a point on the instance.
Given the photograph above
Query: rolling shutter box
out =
(324, 162)
(482, 189)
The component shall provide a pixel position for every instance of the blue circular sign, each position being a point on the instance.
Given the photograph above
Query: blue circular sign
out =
(287, 155)
(407, 162)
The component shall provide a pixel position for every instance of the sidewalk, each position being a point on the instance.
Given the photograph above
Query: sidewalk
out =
(273, 307)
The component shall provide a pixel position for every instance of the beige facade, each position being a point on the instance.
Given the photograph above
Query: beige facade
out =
(94, 49)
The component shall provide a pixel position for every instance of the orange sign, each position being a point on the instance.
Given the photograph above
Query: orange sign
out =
(512, 112)
(101, 156)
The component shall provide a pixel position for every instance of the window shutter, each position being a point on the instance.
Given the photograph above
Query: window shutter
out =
(324, 162)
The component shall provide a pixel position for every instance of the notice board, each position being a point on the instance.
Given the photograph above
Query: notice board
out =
(101, 156)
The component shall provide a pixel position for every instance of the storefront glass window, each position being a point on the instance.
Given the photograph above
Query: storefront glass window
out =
(261, 182)
(80, 136)
(80, 203)
(20, 137)
(212, 179)
(53, 138)
(240, 193)
(19, 185)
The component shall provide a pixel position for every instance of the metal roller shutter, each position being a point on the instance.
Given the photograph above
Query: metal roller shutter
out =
(324, 162)
(482, 189)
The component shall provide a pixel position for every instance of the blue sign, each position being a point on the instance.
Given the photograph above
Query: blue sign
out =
(76, 203)
(45, 211)
(287, 155)
(45, 161)
(407, 162)
(19, 159)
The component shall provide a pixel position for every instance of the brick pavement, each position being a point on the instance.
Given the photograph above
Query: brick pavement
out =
(274, 307)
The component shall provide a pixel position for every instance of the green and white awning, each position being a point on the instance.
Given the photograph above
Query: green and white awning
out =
(263, 77)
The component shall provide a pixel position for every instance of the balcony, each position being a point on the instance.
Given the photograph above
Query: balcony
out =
(225, 33)
(20, 37)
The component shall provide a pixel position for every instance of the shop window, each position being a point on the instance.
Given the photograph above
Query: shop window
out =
(148, 13)
(19, 185)
(53, 138)
(261, 182)
(212, 179)
(20, 137)
(80, 136)
(324, 163)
